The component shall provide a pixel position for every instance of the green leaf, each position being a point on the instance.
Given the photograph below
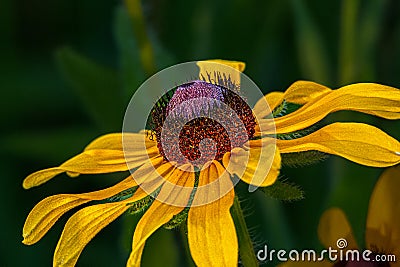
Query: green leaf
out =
(284, 191)
(97, 86)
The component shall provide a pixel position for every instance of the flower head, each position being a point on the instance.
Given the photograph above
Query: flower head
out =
(202, 136)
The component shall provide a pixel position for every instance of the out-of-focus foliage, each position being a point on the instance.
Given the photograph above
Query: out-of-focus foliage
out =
(68, 69)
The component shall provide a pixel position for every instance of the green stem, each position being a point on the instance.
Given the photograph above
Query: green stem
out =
(246, 250)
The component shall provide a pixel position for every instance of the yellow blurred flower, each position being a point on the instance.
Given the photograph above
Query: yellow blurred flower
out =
(211, 231)
(382, 233)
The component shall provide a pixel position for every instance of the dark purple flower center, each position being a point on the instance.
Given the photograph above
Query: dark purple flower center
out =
(201, 121)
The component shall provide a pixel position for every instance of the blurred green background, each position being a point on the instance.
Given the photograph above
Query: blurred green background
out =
(69, 67)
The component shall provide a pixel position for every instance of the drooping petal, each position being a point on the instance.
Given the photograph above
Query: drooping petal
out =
(333, 226)
(40, 177)
(358, 142)
(44, 215)
(115, 141)
(211, 231)
(300, 92)
(369, 98)
(303, 92)
(88, 162)
(81, 228)
(382, 230)
(160, 213)
(134, 145)
(258, 166)
(105, 154)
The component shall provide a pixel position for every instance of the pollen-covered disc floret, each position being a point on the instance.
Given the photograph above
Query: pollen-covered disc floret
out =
(202, 115)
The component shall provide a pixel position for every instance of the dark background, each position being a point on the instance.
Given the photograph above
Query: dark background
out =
(69, 67)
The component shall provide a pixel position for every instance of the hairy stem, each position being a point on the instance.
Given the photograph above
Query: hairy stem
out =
(246, 250)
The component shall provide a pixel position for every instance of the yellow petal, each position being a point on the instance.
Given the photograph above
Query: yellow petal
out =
(237, 65)
(41, 177)
(103, 155)
(81, 228)
(228, 68)
(114, 141)
(153, 171)
(333, 226)
(181, 181)
(151, 176)
(273, 100)
(247, 163)
(160, 213)
(92, 161)
(370, 98)
(383, 219)
(89, 162)
(44, 215)
(358, 142)
(300, 92)
(136, 147)
(211, 231)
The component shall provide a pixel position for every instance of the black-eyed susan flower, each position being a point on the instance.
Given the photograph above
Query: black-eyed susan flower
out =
(188, 175)
(382, 233)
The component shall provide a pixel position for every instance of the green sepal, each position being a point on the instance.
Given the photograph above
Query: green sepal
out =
(285, 108)
(299, 159)
(177, 219)
(122, 195)
(283, 190)
(142, 204)
(299, 133)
